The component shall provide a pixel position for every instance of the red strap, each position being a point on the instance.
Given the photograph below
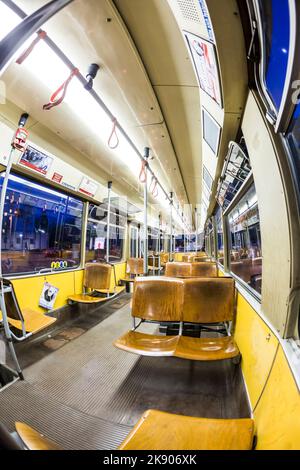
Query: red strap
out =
(142, 176)
(153, 187)
(113, 132)
(25, 54)
(54, 101)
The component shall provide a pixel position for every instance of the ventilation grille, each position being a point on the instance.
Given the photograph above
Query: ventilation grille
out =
(189, 10)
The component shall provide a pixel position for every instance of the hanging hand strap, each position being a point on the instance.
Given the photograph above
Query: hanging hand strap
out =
(113, 133)
(142, 176)
(25, 54)
(62, 90)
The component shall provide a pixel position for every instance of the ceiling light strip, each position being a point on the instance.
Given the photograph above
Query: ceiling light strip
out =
(18, 11)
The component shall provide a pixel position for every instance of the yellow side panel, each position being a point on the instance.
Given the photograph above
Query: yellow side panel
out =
(277, 416)
(120, 270)
(258, 347)
(28, 290)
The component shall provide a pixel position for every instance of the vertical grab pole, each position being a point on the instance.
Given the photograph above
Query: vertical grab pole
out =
(158, 245)
(196, 226)
(7, 331)
(171, 227)
(109, 185)
(146, 156)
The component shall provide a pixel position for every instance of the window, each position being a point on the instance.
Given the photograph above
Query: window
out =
(134, 239)
(276, 28)
(220, 235)
(179, 243)
(246, 251)
(96, 235)
(211, 131)
(152, 239)
(41, 228)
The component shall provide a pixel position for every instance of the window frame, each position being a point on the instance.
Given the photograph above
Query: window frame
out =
(137, 244)
(242, 192)
(47, 184)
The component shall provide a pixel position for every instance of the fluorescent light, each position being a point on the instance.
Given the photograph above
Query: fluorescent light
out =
(8, 20)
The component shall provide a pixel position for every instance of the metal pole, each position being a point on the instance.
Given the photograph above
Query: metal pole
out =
(159, 247)
(14, 40)
(146, 156)
(109, 185)
(171, 227)
(196, 225)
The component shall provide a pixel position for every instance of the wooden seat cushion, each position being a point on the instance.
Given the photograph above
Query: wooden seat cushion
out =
(147, 345)
(33, 321)
(135, 266)
(206, 349)
(87, 299)
(157, 430)
(33, 440)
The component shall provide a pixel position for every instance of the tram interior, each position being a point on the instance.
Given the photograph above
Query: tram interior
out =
(149, 225)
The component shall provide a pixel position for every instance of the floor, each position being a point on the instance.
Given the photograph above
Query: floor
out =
(86, 394)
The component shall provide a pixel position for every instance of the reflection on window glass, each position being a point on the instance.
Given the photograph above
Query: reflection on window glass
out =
(179, 243)
(152, 240)
(246, 251)
(134, 236)
(96, 235)
(220, 235)
(41, 228)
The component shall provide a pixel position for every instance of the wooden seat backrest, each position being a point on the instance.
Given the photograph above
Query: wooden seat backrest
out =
(201, 259)
(208, 300)
(157, 299)
(11, 303)
(135, 266)
(97, 276)
(164, 258)
(186, 258)
(204, 270)
(179, 270)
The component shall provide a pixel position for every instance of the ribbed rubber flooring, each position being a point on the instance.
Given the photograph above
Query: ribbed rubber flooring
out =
(88, 394)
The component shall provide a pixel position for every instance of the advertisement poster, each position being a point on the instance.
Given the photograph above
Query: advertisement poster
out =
(206, 18)
(88, 187)
(99, 243)
(36, 160)
(48, 296)
(204, 57)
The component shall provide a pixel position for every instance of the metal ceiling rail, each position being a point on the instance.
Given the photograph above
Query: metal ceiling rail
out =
(82, 79)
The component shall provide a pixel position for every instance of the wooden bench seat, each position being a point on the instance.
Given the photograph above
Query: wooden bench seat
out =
(33, 440)
(96, 279)
(34, 321)
(191, 270)
(114, 291)
(157, 430)
(147, 345)
(202, 301)
(206, 349)
(87, 299)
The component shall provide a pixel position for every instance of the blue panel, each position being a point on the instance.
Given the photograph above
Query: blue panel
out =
(279, 42)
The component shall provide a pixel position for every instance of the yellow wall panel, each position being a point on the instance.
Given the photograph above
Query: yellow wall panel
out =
(120, 270)
(277, 417)
(28, 290)
(258, 348)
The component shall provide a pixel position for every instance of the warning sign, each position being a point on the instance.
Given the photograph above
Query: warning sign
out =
(57, 178)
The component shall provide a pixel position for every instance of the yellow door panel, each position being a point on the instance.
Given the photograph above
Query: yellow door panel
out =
(120, 270)
(277, 414)
(258, 348)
